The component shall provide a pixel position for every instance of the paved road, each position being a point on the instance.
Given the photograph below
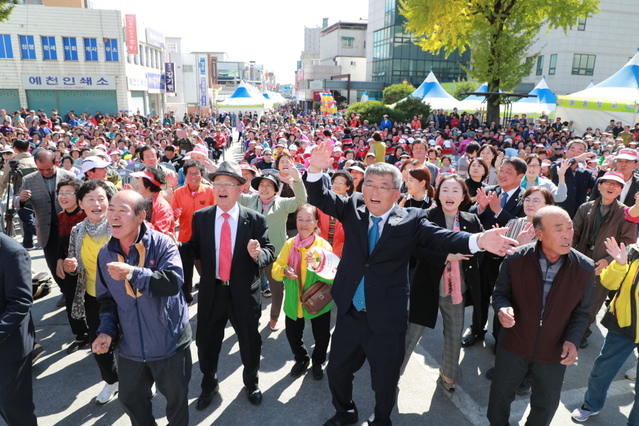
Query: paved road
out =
(65, 386)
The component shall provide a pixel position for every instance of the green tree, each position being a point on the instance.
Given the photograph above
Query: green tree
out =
(397, 92)
(499, 33)
(373, 111)
(6, 7)
(462, 86)
(406, 110)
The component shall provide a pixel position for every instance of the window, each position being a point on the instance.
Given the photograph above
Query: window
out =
(90, 49)
(583, 64)
(347, 42)
(581, 24)
(6, 50)
(540, 65)
(111, 50)
(70, 48)
(552, 67)
(49, 51)
(28, 47)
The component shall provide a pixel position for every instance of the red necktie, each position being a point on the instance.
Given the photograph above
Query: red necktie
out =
(225, 249)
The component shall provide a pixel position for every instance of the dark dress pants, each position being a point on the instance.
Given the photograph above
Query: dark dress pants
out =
(171, 375)
(78, 327)
(187, 264)
(51, 253)
(321, 332)
(510, 370)
(353, 343)
(16, 393)
(489, 272)
(209, 346)
(27, 216)
(106, 361)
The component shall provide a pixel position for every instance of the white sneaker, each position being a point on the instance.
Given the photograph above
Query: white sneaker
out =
(107, 393)
(581, 414)
(632, 373)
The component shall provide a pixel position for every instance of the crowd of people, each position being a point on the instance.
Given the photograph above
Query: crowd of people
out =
(425, 218)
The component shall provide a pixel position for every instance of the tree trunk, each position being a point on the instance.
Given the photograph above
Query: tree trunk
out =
(492, 108)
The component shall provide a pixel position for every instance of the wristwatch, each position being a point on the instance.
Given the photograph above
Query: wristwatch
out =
(129, 276)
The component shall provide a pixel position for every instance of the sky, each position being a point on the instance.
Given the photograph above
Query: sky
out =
(267, 32)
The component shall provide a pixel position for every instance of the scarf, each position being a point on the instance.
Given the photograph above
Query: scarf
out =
(265, 203)
(294, 257)
(452, 277)
(524, 182)
(96, 231)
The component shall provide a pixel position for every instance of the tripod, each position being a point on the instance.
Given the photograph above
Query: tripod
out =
(10, 211)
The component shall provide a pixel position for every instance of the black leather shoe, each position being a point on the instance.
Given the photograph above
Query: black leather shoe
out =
(342, 419)
(584, 343)
(318, 373)
(524, 388)
(205, 398)
(76, 345)
(299, 368)
(490, 373)
(470, 339)
(254, 396)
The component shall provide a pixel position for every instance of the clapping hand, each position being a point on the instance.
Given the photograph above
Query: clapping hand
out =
(482, 199)
(494, 201)
(618, 252)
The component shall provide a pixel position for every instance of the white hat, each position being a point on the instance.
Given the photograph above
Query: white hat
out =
(94, 162)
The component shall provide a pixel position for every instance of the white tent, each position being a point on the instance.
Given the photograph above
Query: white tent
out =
(473, 103)
(243, 99)
(615, 98)
(591, 84)
(431, 92)
(544, 101)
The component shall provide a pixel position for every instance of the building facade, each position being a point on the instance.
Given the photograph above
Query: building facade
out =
(67, 58)
(392, 55)
(592, 50)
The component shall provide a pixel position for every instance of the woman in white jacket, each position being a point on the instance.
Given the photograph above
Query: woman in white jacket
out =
(533, 178)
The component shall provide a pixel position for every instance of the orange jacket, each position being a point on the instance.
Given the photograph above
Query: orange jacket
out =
(190, 203)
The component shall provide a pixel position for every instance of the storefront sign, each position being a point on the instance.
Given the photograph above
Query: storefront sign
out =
(154, 38)
(68, 82)
(155, 82)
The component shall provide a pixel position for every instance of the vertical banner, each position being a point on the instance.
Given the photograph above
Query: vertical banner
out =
(131, 35)
(203, 83)
(169, 76)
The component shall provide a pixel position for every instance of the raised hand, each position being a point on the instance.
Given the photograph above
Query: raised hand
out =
(321, 157)
(482, 199)
(618, 252)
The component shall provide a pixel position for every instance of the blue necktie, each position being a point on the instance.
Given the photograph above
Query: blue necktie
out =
(359, 300)
(504, 199)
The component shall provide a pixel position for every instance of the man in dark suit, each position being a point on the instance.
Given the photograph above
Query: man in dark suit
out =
(17, 334)
(625, 163)
(371, 285)
(578, 180)
(232, 244)
(495, 206)
(40, 189)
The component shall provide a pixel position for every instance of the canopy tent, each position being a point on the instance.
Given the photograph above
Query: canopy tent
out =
(615, 98)
(244, 98)
(431, 92)
(474, 103)
(592, 84)
(544, 100)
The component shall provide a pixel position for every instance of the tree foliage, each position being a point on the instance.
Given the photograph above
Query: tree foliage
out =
(6, 7)
(373, 111)
(406, 110)
(462, 86)
(397, 92)
(499, 32)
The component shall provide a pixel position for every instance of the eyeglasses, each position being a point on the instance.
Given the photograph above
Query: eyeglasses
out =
(610, 183)
(193, 174)
(66, 194)
(534, 201)
(382, 189)
(225, 185)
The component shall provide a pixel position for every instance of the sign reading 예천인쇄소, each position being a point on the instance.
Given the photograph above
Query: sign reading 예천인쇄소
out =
(68, 82)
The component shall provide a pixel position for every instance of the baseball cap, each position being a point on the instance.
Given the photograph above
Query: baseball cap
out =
(627, 154)
(146, 174)
(94, 162)
(616, 176)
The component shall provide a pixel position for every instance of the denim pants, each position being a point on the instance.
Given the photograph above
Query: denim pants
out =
(615, 351)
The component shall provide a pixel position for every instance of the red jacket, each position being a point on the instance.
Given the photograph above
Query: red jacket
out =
(338, 236)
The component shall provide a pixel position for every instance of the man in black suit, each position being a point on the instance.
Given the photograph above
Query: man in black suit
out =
(496, 205)
(371, 285)
(17, 335)
(625, 163)
(578, 180)
(232, 243)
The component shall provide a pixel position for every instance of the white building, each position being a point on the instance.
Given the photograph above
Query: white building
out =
(312, 39)
(69, 58)
(593, 50)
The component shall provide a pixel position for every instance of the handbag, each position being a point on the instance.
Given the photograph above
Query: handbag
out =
(316, 297)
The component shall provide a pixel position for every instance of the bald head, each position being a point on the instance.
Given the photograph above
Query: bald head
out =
(553, 228)
(552, 213)
(133, 199)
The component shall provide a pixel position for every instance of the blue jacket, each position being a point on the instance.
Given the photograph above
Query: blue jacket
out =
(149, 314)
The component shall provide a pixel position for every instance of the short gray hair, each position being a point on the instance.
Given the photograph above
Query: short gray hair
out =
(382, 169)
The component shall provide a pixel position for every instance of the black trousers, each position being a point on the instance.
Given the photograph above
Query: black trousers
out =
(209, 347)
(321, 332)
(16, 393)
(27, 216)
(489, 272)
(51, 254)
(78, 327)
(187, 265)
(353, 343)
(106, 361)
(171, 375)
(546, 381)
